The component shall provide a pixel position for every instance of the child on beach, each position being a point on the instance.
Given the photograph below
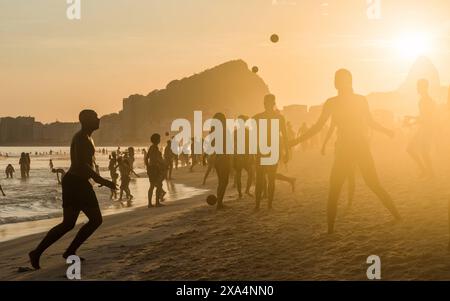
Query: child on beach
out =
(156, 170)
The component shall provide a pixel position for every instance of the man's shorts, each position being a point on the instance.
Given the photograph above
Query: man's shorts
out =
(78, 193)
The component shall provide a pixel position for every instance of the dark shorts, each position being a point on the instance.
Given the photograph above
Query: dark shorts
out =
(78, 193)
(124, 182)
(265, 169)
(242, 162)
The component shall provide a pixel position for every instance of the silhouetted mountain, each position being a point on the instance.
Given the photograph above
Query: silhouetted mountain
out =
(405, 99)
(422, 68)
(230, 88)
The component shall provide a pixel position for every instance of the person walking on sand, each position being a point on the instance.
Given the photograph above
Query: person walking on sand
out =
(420, 146)
(77, 192)
(124, 171)
(243, 161)
(269, 171)
(169, 158)
(222, 163)
(155, 170)
(351, 115)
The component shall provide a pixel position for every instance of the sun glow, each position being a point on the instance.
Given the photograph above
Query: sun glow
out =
(413, 45)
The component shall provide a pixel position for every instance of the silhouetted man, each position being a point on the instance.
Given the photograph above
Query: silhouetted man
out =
(351, 116)
(420, 146)
(269, 171)
(243, 161)
(77, 192)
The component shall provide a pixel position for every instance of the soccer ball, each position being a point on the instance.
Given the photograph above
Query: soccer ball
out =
(274, 38)
(211, 199)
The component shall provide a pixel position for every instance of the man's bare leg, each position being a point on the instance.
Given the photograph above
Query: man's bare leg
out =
(337, 180)
(370, 176)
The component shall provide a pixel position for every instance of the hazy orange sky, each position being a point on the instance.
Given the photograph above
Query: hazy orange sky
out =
(51, 67)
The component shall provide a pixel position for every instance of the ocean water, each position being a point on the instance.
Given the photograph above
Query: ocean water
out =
(39, 197)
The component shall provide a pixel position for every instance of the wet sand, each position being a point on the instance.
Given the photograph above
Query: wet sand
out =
(187, 240)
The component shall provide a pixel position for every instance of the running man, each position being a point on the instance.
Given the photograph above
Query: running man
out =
(77, 192)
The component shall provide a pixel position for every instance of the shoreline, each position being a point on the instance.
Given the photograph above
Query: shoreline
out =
(159, 215)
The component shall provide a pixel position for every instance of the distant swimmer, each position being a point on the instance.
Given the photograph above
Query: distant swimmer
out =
(50, 164)
(352, 118)
(9, 171)
(77, 192)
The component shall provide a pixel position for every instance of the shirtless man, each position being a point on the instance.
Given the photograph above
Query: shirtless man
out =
(420, 146)
(77, 192)
(269, 171)
(351, 115)
(243, 161)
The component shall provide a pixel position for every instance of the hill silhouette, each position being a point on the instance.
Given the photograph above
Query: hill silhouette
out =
(404, 100)
(229, 88)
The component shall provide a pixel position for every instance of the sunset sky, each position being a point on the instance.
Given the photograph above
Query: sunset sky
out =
(51, 67)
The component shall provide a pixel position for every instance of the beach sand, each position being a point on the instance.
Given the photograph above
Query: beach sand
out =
(188, 240)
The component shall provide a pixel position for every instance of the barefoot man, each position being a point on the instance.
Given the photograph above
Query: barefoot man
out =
(351, 115)
(77, 192)
(269, 171)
